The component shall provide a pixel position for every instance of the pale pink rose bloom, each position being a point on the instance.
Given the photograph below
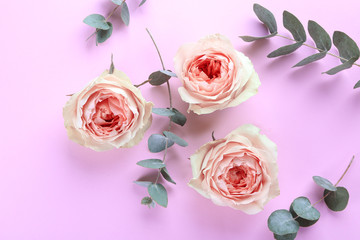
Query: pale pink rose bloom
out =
(214, 75)
(109, 113)
(239, 171)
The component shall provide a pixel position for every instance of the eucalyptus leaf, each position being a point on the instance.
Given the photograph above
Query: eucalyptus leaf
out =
(281, 222)
(163, 112)
(294, 26)
(285, 50)
(345, 65)
(347, 47)
(164, 172)
(324, 183)
(103, 35)
(310, 59)
(338, 200)
(118, 2)
(251, 39)
(178, 118)
(151, 163)
(143, 183)
(178, 140)
(142, 2)
(157, 78)
(97, 21)
(266, 17)
(290, 236)
(319, 35)
(158, 193)
(169, 73)
(125, 14)
(146, 201)
(157, 143)
(357, 85)
(303, 212)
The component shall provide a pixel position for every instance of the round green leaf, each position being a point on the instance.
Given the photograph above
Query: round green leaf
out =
(281, 222)
(178, 118)
(151, 163)
(97, 21)
(338, 200)
(290, 236)
(159, 194)
(157, 78)
(324, 183)
(304, 212)
(157, 143)
(103, 35)
(178, 140)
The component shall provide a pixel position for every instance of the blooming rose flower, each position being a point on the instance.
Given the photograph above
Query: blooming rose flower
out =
(214, 75)
(239, 170)
(110, 112)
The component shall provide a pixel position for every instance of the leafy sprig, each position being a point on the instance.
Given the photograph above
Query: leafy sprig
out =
(286, 223)
(161, 142)
(347, 47)
(104, 28)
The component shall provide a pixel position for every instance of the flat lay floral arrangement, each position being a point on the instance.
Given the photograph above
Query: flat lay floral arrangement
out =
(240, 170)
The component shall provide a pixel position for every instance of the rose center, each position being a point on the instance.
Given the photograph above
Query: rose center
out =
(236, 174)
(105, 117)
(211, 67)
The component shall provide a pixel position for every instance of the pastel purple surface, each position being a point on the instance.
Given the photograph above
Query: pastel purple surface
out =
(52, 188)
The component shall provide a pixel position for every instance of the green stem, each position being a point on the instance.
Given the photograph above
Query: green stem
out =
(320, 50)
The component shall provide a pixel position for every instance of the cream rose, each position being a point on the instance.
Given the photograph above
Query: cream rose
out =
(110, 112)
(239, 170)
(214, 75)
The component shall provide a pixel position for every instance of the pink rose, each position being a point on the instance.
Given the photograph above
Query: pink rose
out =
(239, 170)
(110, 112)
(214, 75)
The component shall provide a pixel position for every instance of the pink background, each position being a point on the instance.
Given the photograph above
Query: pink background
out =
(52, 188)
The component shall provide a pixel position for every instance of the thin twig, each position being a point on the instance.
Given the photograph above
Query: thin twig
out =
(144, 82)
(157, 49)
(320, 50)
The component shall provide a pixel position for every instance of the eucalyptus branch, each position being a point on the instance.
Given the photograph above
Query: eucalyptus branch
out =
(320, 50)
(107, 19)
(103, 27)
(170, 100)
(158, 142)
(349, 51)
(303, 213)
